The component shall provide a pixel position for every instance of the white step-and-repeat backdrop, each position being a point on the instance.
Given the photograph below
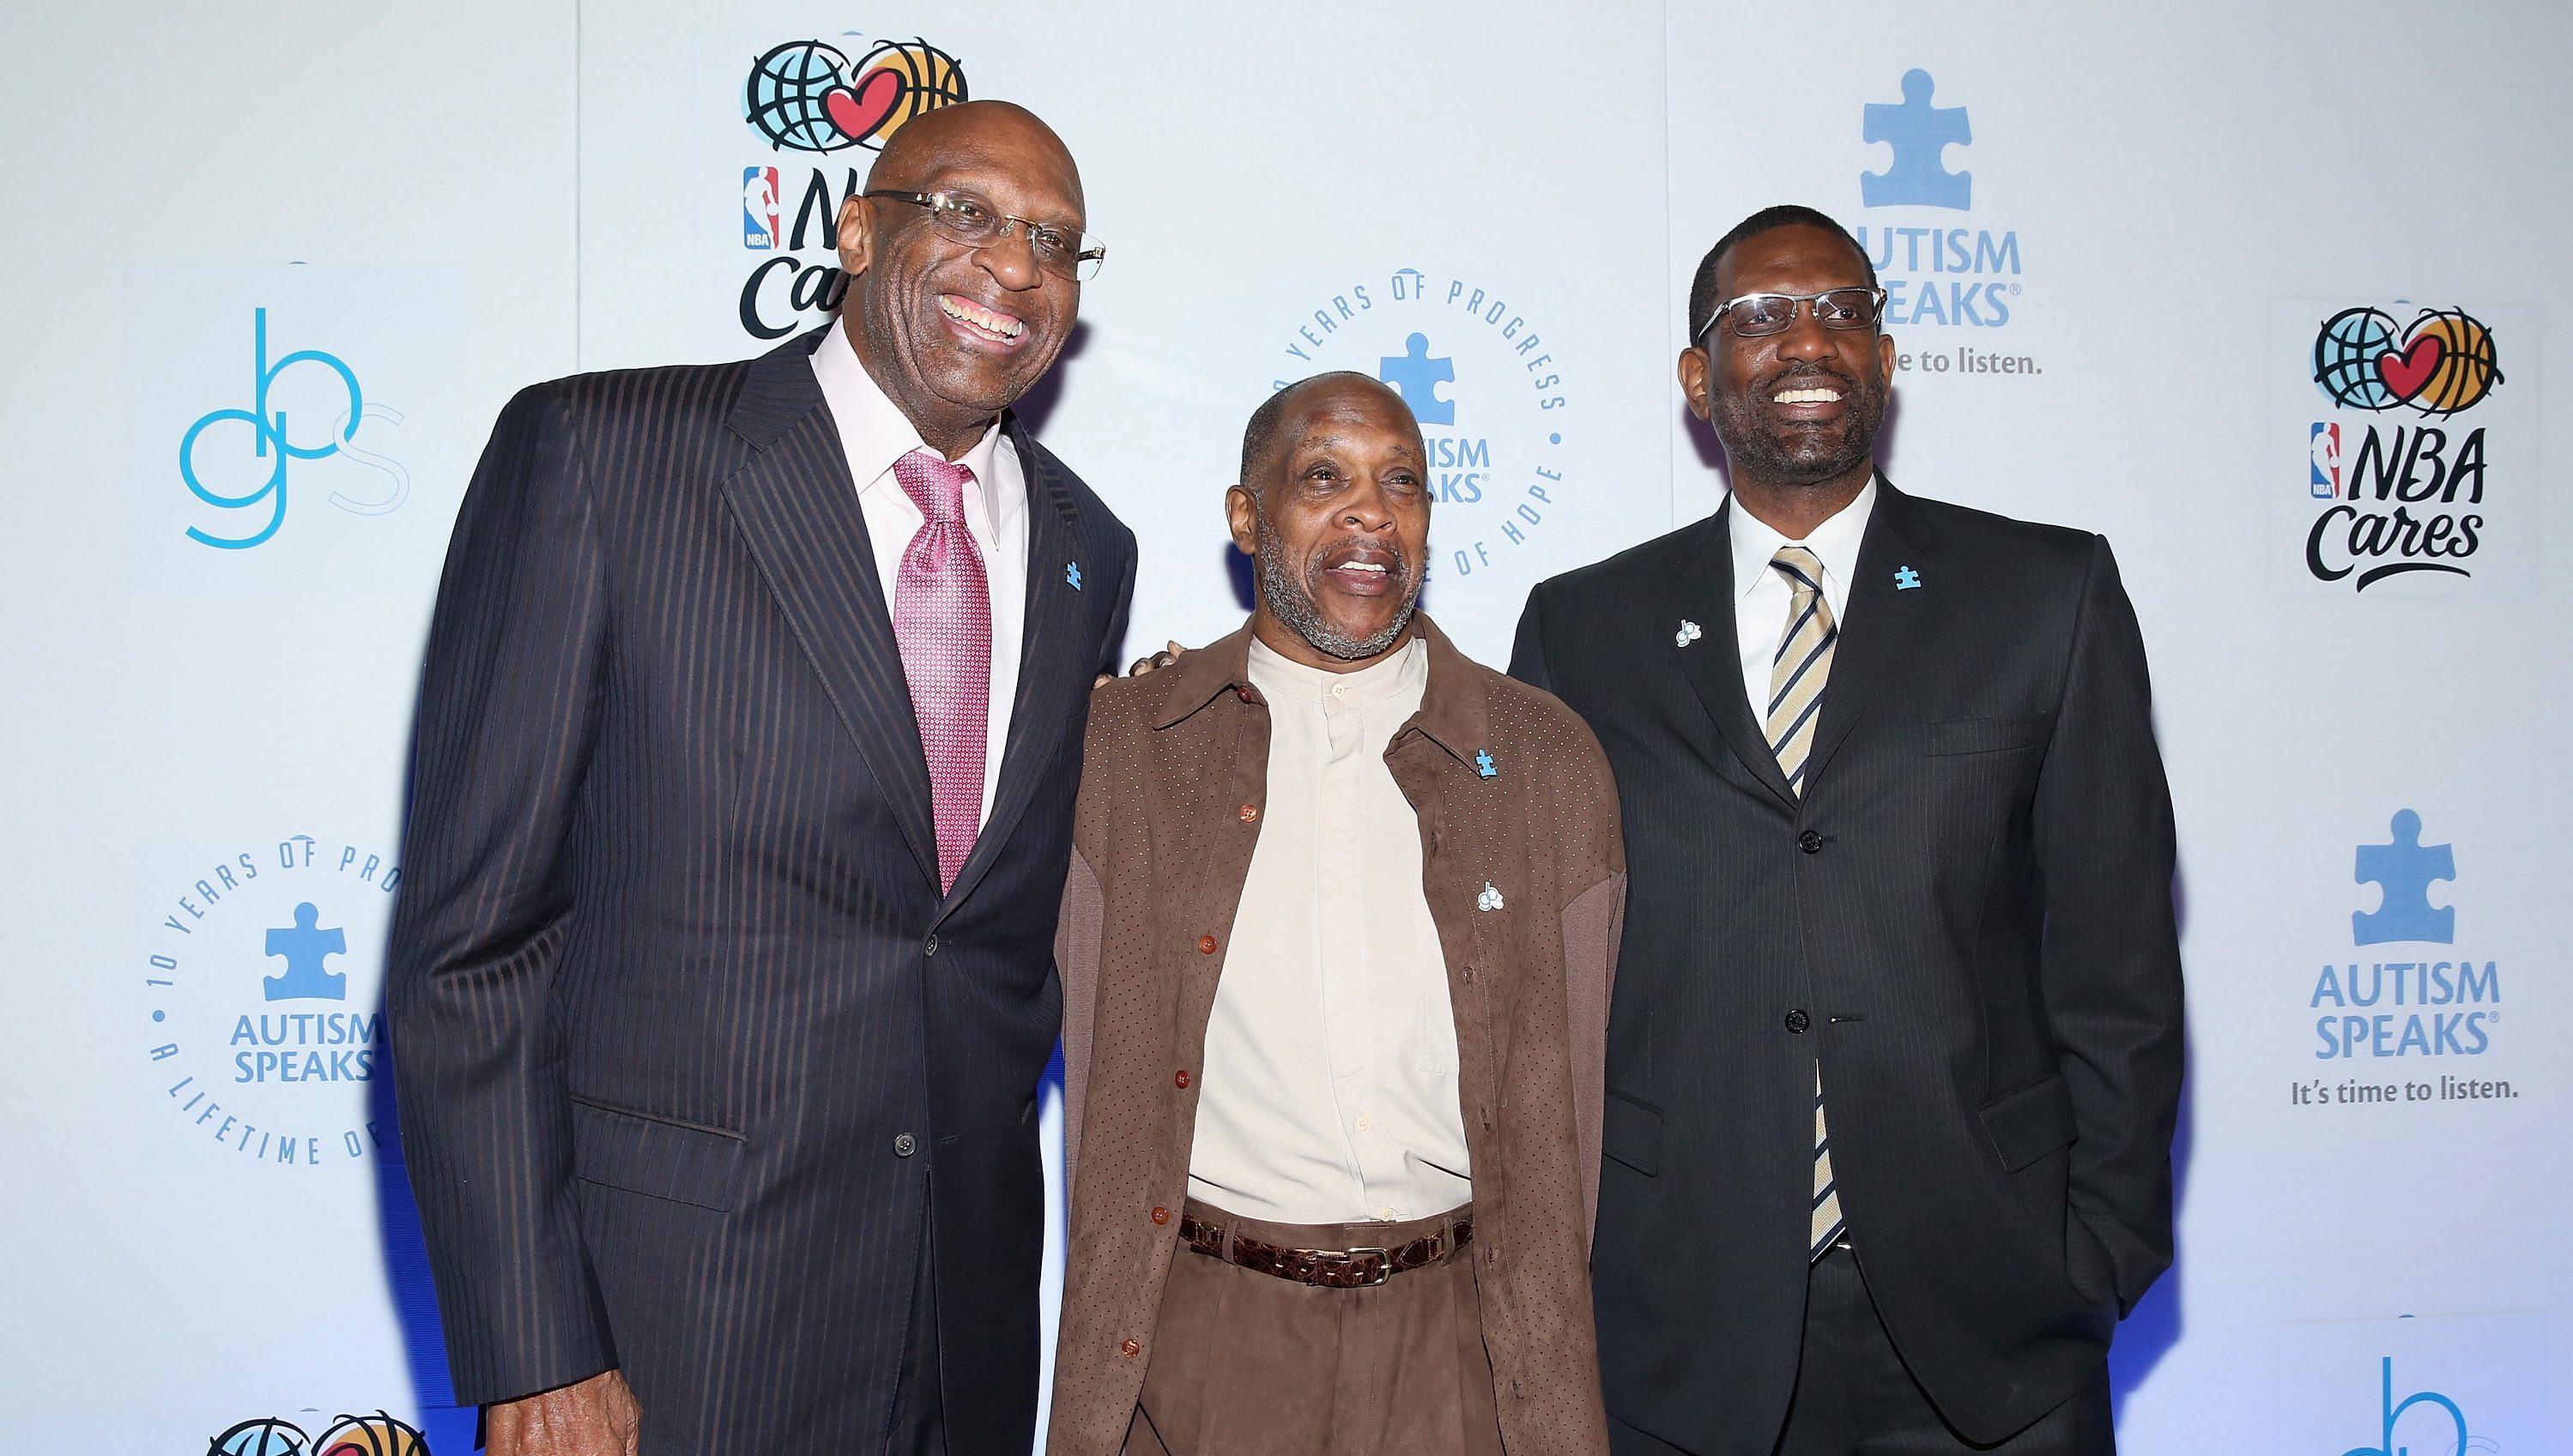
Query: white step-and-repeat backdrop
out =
(2268, 294)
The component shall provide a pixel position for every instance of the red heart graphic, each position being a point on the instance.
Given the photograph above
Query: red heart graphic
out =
(2407, 372)
(858, 113)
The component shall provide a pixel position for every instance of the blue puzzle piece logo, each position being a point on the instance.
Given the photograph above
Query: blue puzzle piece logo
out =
(1484, 764)
(1416, 377)
(304, 947)
(1906, 579)
(2404, 870)
(1918, 132)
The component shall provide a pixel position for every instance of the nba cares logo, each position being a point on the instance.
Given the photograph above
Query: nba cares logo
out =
(808, 96)
(2441, 364)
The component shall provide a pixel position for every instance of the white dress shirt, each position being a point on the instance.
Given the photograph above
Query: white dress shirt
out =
(1328, 1093)
(875, 433)
(1761, 596)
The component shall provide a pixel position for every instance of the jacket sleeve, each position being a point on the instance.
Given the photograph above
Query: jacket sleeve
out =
(2109, 958)
(1527, 651)
(507, 715)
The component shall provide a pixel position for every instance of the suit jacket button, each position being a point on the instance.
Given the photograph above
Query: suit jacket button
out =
(1797, 1021)
(929, 947)
(1205, 945)
(1249, 813)
(1180, 1078)
(1130, 1348)
(904, 1145)
(1810, 842)
(1161, 1215)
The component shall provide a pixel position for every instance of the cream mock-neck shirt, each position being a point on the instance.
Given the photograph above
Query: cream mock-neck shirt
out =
(1328, 1093)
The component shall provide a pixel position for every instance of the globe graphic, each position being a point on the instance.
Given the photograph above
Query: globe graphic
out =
(265, 1437)
(2345, 355)
(784, 99)
(2468, 366)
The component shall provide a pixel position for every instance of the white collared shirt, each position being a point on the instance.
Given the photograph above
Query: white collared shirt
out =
(1761, 596)
(874, 433)
(1328, 1093)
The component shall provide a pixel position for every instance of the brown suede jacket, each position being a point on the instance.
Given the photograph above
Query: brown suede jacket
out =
(1514, 798)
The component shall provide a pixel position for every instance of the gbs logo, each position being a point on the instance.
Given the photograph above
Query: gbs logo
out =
(2391, 1411)
(271, 440)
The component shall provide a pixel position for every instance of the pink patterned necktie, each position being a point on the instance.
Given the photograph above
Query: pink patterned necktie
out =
(942, 616)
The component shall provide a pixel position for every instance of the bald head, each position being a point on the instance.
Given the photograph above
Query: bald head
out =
(977, 133)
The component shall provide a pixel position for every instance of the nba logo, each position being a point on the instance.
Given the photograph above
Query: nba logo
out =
(2322, 451)
(759, 208)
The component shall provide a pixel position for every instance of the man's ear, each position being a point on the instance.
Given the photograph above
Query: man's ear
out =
(857, 237)
(1885, 355)
(1693, 379)
(1242, 514)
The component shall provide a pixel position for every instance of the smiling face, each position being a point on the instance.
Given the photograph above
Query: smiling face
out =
(954, 334)
(1337, 509)
(1801, 407)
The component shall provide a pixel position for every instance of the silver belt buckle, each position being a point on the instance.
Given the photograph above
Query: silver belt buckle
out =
(1384, 1264)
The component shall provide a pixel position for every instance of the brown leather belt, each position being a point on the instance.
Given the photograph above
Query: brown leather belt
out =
(1330, 1268)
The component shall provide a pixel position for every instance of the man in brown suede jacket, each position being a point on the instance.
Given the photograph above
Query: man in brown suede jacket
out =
(1336, 947)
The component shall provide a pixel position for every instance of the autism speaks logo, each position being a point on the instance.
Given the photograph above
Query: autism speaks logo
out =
(1936, 273)
(381, 1434)
(808, 97)
(2437, 1003)
(1483, 382)
(262, 1005)
(239, 461)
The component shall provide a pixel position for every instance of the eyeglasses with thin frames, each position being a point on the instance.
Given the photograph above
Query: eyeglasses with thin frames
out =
(976, 222)
(1756, 316)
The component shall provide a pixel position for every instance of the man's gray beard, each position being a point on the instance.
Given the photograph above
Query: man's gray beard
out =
(1291, 603)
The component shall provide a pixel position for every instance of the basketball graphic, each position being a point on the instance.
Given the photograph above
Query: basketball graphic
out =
(807, 96)
(2442, 364)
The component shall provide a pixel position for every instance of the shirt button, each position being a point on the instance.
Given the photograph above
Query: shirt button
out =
(1249, 813)
(1797, 1021)
(1810, 842)
(1130, 1348)
(1161, 1215)
(929, 947)
(1385, 1213)
(1180, 1078)
(904, 1145)
(1205, 945)
(1363, 1124)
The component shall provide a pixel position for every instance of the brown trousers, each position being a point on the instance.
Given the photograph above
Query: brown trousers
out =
(1249, 1365)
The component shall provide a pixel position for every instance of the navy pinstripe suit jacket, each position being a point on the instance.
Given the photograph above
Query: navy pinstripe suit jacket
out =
(1966, 919)
(689, 1045)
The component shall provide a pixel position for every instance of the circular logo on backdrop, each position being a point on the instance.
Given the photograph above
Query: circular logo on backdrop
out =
(1482, 379)
(807, 96)
(2442, 364)
(264, 1002)
(381, 1434)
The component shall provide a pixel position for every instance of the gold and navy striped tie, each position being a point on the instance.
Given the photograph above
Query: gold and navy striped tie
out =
(1796, 678)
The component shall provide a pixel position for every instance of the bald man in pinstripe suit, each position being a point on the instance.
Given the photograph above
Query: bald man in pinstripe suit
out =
(722, 976)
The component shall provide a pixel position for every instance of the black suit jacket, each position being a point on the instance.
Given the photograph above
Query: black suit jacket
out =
(695, 1061)
(1967, 919)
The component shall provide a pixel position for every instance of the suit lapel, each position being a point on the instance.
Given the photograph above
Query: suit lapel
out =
(798, 510)
(1055, 653)
(1886, 622)
(1702, 591)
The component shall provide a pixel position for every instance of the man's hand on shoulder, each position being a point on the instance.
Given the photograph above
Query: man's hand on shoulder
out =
(593, 1417)
(1141, 665)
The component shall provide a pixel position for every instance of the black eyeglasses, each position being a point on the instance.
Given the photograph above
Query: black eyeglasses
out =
(1756, 316)
(975, 221)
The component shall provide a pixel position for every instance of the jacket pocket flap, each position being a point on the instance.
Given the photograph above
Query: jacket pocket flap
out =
(1984, 735)
(2031, 1122)
(1631, 1133)
(655, 1156)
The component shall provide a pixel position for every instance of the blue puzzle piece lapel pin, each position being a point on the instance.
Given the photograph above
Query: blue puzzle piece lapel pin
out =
(1072, 575)
(1484, 766)
(1905, 579)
